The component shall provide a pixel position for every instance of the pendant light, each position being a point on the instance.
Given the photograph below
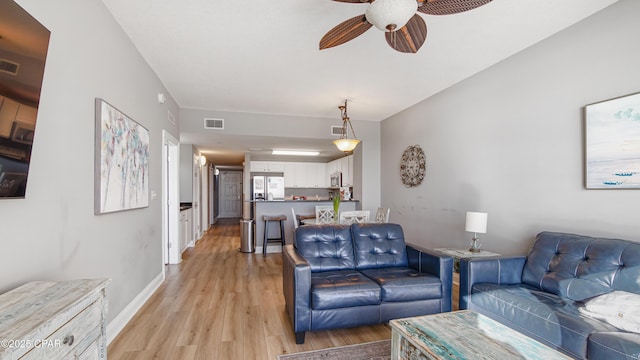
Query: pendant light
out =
(344, 143)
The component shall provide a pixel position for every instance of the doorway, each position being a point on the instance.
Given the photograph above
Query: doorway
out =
(230, 192)
(170, 199)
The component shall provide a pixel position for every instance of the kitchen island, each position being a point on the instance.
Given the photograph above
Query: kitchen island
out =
(283, 207)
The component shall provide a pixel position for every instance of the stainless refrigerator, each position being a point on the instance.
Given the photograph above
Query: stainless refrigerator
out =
(267, 187)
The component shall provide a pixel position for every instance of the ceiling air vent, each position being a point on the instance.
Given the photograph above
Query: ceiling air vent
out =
(9, 67)
(210, 123)
(336, 130)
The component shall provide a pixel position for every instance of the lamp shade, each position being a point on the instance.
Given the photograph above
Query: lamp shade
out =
(476, 222)
(390, 15)
(346, 144)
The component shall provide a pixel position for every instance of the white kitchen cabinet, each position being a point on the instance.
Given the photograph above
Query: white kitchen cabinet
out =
(313, 175)
(347, 170)
(267, 166)
(300, 175)
(54, 320)
(343, 165)
(332, 167)
(321, 180)
(290, 170)
(305, 175)
(186, 237)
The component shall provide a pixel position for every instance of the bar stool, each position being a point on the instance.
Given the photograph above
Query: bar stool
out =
(267, 219)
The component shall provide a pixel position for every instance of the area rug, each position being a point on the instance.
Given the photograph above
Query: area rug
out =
(376, 350)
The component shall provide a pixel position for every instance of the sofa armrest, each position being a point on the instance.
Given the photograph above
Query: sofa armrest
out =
(496, 270)
(434, 263)
(296, 285)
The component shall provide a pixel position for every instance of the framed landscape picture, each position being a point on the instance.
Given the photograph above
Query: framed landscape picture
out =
(612, 144)
(121, 161)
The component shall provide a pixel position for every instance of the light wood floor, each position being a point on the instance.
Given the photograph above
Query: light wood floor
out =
(223, 304)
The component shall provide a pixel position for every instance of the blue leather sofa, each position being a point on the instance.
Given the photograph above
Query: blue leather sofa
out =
(338, 276)
(541, 294)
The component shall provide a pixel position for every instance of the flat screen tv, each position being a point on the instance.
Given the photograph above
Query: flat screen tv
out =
(23, 50)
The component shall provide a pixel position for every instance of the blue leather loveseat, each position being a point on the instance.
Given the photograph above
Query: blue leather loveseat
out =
(338, 276)
(545, 295)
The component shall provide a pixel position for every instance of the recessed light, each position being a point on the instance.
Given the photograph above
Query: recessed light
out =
(296, 152)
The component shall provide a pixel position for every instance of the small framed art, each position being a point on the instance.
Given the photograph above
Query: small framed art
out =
(612, 143)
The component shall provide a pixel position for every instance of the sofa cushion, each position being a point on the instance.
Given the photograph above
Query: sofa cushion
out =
(326, 248)
(405, 284)
(614, 346)
(557, 260)
(341, 289)
(379, 245)
(547, 317)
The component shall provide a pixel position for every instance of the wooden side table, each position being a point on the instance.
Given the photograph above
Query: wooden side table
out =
(458, 254)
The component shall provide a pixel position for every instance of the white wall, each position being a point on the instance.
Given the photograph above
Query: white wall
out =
(53, 233)
(509, 141)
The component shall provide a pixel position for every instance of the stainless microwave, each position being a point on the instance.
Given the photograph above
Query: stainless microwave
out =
(336, 179)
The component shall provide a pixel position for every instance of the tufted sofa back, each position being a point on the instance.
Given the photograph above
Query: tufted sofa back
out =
(378, 245)
(326, 247)
(579, 267)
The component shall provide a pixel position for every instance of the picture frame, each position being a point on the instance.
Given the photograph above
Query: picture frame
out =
(121, 161)
(612, 143)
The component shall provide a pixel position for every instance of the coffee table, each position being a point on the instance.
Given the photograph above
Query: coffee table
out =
(463, 335)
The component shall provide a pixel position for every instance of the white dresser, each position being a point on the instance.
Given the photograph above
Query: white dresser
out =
(54, 320)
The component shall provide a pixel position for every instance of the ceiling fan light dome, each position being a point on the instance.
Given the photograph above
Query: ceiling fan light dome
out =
(389, 15)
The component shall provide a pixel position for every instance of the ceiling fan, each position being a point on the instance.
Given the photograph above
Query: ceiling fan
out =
(404, 29)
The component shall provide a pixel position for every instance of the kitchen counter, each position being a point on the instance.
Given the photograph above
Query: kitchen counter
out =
(308, 200)
(283, 207)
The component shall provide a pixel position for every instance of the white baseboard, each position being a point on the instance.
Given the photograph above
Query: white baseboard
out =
(120, 321)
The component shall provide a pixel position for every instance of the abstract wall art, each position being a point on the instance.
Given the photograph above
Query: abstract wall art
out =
(121, 161)
(612, 144)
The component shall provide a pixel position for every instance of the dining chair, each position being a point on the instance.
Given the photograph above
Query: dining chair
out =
(299, 218)
(350, 217)
(325, 215)
(382, 215)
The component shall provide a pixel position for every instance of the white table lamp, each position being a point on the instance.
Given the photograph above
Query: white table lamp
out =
(476, 223)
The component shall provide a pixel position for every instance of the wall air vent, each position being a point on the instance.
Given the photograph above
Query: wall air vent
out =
(336, 130)
(9, 67)
(210, 123)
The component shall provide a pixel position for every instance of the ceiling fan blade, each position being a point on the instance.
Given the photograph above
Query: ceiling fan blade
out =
(410, 37)
(345, 31)
(447, 7)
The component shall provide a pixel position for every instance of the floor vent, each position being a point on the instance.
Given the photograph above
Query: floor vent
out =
(210, 123)
(9, 67)
(336, 130)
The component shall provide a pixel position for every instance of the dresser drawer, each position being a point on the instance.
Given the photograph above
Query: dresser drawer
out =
(72, 338)
(39, 319)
